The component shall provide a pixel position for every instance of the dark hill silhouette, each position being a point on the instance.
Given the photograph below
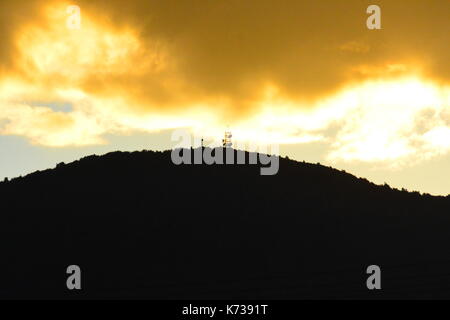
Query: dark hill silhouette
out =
(141, 227)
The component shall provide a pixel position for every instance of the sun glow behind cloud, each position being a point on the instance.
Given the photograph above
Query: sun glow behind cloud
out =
(393, 121)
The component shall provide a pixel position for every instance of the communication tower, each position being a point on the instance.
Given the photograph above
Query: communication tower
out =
(226, 141)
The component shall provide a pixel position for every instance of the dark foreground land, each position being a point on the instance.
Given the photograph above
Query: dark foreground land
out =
(141, 227)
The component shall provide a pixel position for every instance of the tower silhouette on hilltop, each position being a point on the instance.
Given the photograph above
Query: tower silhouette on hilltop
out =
(226, 141)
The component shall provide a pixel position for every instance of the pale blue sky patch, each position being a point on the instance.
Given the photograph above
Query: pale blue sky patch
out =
(55, 106)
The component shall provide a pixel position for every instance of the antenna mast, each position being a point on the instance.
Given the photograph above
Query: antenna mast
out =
(226, 141)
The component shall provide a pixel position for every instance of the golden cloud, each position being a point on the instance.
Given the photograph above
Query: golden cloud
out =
(280, 72)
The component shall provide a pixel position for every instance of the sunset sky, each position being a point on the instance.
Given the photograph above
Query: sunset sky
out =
(305, 74)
